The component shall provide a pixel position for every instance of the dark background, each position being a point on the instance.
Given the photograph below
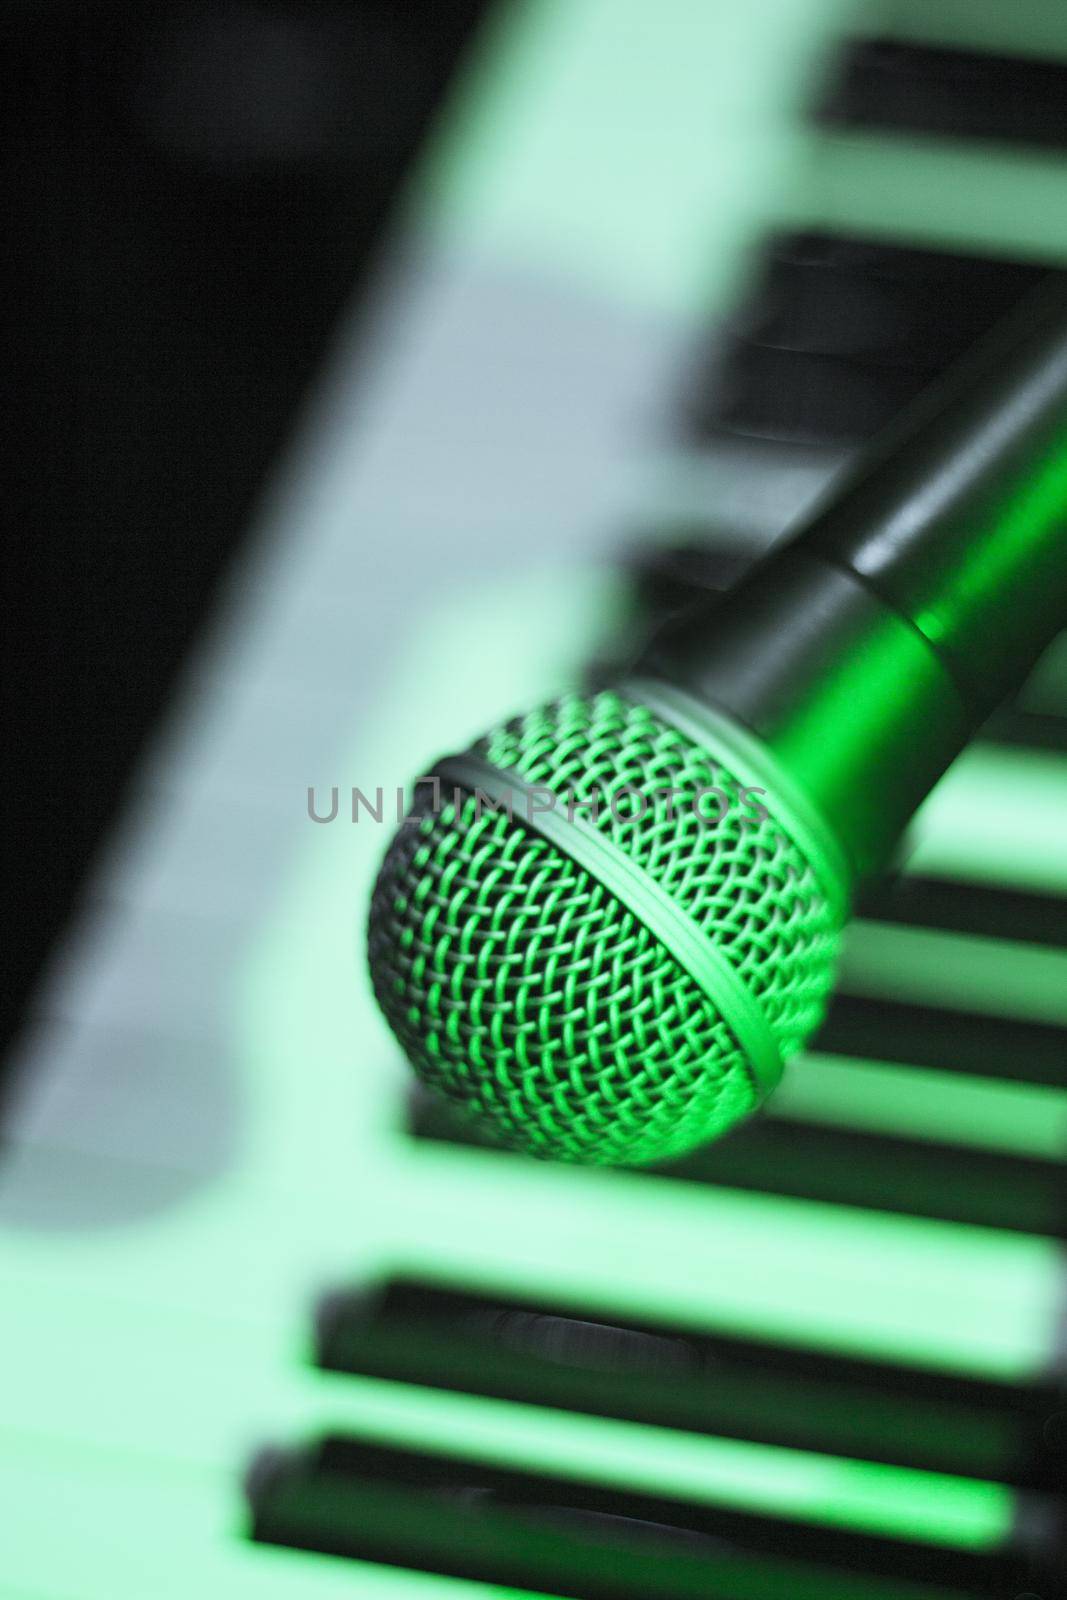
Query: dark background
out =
(192, 194)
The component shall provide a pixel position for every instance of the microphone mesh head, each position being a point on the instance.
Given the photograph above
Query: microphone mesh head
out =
(536, 1000)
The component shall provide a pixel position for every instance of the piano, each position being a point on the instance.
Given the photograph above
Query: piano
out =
(273, 1327)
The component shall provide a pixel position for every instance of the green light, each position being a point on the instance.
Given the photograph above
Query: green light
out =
(1029, 519)
(917, 1103)
(991, 976)
(143, 1361)
(998, 816)
(181, 1436)
(321, 1189)
(892, 1288)
(978, 198)
(931, 1508)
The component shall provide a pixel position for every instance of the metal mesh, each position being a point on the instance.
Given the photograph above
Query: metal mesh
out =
(533, 998)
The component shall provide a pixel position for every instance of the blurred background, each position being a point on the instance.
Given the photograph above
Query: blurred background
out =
(199, 193)
(377, 371)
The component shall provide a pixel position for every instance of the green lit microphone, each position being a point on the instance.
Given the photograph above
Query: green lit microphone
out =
(605, 928)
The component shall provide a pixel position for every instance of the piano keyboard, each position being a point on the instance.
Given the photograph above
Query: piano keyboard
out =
(273, 1326)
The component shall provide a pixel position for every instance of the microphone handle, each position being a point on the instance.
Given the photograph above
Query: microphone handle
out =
(866, 651)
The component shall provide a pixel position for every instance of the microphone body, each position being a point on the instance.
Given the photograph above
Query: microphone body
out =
(866, 652)
(603, 983)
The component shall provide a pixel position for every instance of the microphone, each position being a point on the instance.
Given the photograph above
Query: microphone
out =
(614, 919)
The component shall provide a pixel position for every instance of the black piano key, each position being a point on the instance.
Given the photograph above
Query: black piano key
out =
(877, 302)
(956, 905)
(666, 577)
(839, 334)
(841, 1166)
(539, 1353)
(681, 572)
(912, 88)
(570, 1536)
(802, 397)
(947, 1040)
(1045, 692)
(1031, 730)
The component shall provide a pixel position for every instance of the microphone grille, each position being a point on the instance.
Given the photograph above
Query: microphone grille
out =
(539, 998)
